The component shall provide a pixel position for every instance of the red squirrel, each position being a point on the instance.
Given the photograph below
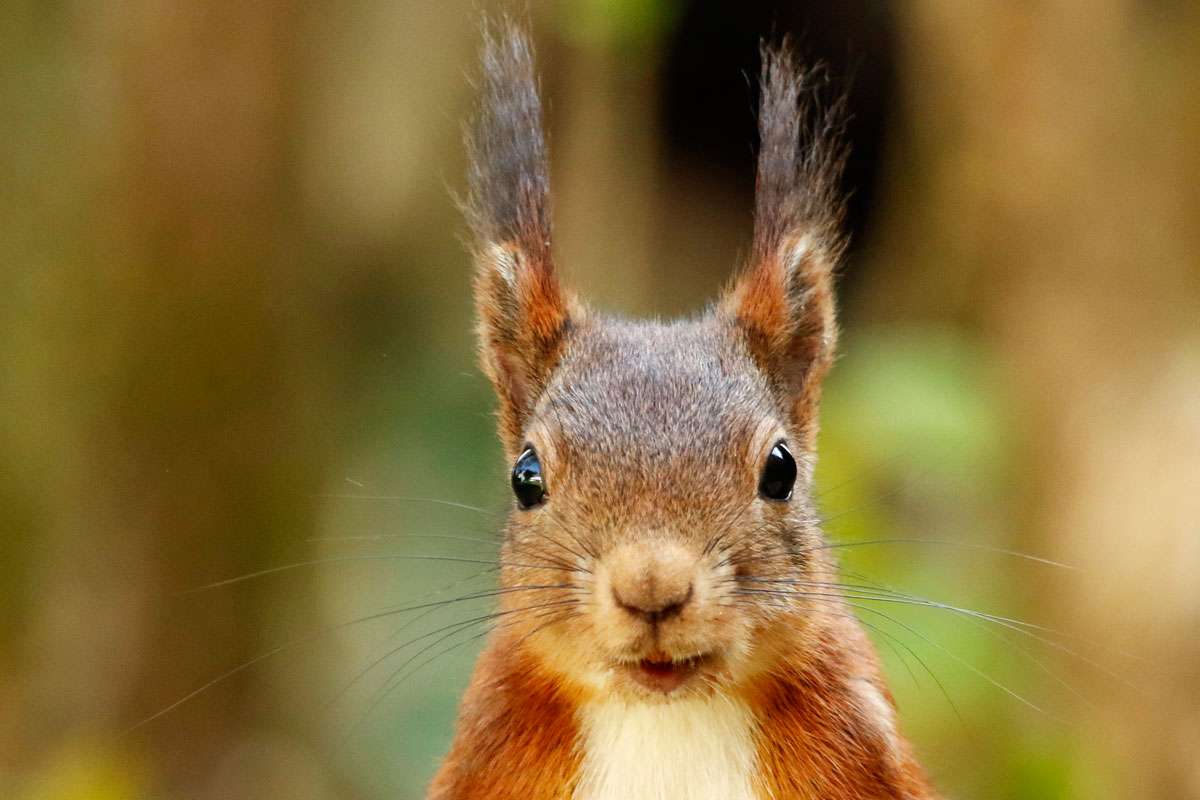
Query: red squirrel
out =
(670, 626)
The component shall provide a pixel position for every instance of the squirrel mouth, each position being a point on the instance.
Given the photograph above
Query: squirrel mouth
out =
(659, 672)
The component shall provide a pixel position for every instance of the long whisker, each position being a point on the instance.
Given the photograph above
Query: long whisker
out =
(961, 661)
(917, 541)
(1020, 626)
(572, 563)
(837, 598)
(402, 499)
(390, 684)
(580, 558)
(1008, 640)
(855, 592)
(891, 638)
(385, 656)
(341, 559)
(1004, 551)
(380, 537)
(555, 614)
(316, 635)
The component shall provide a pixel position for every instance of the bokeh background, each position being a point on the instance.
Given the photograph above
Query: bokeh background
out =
(235, 336)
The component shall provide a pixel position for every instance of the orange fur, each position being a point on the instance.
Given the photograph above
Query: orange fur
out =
(786, 311)
(523, 319)
(815, 741)
(518, 737)
(493, 758)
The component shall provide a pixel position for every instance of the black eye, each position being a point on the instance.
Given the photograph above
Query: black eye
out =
(527, 479)
(778, 474)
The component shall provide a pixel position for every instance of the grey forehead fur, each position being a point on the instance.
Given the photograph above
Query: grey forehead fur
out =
(652, 422)
(640, 394)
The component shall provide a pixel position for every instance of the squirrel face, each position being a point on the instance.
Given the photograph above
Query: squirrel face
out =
(653, 440)
(639, 557)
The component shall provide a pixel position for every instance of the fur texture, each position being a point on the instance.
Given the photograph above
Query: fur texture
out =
(652, 553)
(523, 313)
(700, 749)
(494, 756)
(784, 300)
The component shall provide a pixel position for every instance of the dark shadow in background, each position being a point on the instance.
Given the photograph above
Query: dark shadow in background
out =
(709, 93)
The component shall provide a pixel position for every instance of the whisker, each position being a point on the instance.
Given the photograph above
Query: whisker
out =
(839, 599)
(910, 541)
(396, 678)
(379, 537)
(591, 551)
(937, 681)
(556, 616)
(379, 660)
(727, 527)
(556, 561)
(316, 635)
(852, 591)
(961, 661)
(381, 693)
(1008, 640)
(403, 499)
(890, 638)
(946, 543)
(565, 528)
(342, 559)
(1020, 626)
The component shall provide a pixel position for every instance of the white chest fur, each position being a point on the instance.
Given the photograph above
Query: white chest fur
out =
(700, 749)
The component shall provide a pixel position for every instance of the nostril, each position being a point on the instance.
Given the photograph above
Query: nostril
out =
(654, 609)
(676, 605)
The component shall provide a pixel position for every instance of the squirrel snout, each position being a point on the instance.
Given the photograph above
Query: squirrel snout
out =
(651, 580)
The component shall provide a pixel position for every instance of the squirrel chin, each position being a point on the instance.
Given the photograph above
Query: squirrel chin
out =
(661, 678)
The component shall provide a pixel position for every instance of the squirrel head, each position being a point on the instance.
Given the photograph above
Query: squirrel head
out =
(662, 471)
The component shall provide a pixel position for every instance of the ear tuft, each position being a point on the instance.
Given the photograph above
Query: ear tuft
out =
(783, 303)
(524, 316)
(508, 176)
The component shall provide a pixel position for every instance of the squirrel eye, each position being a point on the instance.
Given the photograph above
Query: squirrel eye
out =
(778, 474)
(527, 482)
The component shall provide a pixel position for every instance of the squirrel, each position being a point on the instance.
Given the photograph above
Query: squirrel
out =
(670, 625)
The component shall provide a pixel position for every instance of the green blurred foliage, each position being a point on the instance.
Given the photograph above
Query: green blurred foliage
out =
(235, 329)
(617, 24)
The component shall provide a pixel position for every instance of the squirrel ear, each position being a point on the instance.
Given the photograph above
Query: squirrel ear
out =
(523, 321)
(783, 302)
(523, 314)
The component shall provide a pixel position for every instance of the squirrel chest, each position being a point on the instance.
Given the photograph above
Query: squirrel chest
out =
(700, 749)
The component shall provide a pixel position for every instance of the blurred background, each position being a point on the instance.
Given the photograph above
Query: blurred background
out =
(235, 337)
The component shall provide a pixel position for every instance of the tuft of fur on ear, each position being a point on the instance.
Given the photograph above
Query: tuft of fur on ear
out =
(523, 314)
(783, 300)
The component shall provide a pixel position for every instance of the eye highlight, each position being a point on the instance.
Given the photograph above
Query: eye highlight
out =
(527, 483)
(778, 474)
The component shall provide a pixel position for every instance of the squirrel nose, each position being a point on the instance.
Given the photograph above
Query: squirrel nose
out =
(651, 580)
